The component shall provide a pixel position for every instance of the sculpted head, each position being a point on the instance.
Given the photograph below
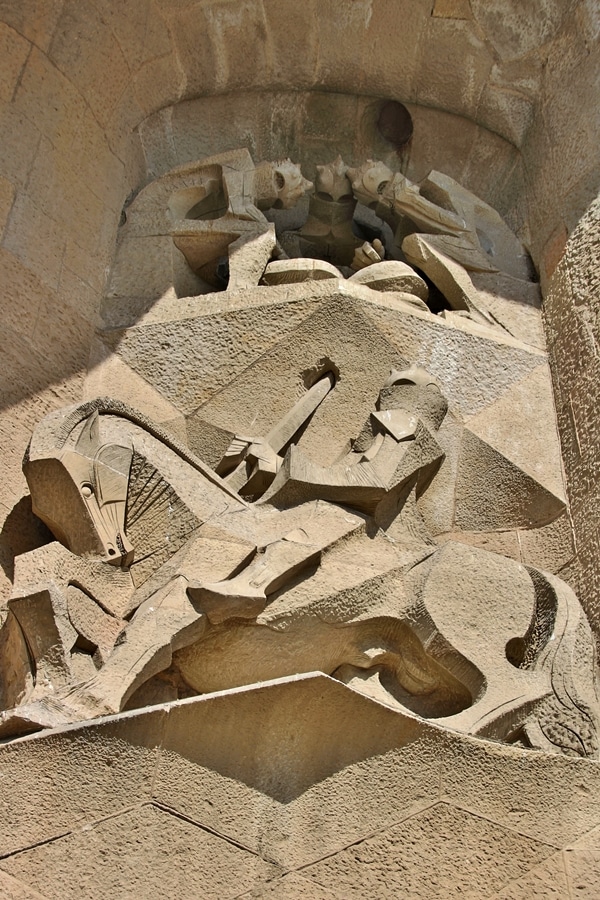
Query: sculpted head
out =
(279, 184)
(80, 490)
(290, 183)
(369, 181)
(415, 375)
(417, 392)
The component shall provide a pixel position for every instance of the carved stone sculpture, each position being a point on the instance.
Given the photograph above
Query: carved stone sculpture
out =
(223, 215)
(449, 234)
(327, 233)
(106, 479)
(340, 521)
(330, 234)
(69, 486)
(458, 223)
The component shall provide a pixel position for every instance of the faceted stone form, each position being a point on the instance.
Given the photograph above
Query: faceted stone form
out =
(391, 275)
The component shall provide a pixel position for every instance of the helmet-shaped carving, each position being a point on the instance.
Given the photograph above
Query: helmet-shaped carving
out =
(369, 181)
(290, 183)
(417, 392)
(80, 490)
(413, 375)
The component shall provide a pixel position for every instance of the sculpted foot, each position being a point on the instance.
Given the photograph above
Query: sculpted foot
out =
(245, 595)
(31, 717)
(236, 598)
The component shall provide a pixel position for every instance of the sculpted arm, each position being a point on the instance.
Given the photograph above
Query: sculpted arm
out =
(404, 199)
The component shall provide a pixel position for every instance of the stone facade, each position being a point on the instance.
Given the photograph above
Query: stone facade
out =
(109, 112)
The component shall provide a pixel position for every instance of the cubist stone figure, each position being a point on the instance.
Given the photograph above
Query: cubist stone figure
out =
(470, 650)
(223, 215)
(443, 230)
(171, 577)
(459, 241)
(457, 222)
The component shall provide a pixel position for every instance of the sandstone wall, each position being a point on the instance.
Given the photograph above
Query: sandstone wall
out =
(560, 154)
(99, 96)
(78, 79)
(436, 815)
(67, 161)
(314, 127)
(572, 313)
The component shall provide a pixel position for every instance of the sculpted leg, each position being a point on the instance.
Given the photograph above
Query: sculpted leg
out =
(245, 595)
(248, 258)
(164, 623)
(167, 621)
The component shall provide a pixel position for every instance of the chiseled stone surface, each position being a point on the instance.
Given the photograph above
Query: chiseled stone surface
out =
(439, 852)
(118, 488)
(583, 869)
(291, 887)
(90, 147)
(77, 779)
(526, 793)
(98, 99)
(329, 417)
(582, 860)
(571, 313)
(345, 787)
(548, 881)
(366, 827)
(506, 425)
(14, 889)
(141, 852)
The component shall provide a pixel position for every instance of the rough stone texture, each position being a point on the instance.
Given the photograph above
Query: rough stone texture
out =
(88, 89)
(437, 851)
(139, 853)
(77, 779)
(125, 480)
(222, 347)
(506, 425)
(572, 319)
(461, 359)
(553, 136)
(526, 794)
(498, 492)
(126, 492)
(263, 809)
(13, 889)
(444, 815)
(109, 376)
(452, 9)
(550, 547)
(582, 860)
(546, 881)
(291, 887)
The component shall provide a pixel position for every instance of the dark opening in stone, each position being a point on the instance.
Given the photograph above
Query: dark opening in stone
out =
(395, 123)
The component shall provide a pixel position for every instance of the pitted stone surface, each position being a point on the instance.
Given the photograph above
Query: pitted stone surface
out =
(436, 853)
(97, 100)
(143, 852)
(548, 881)
(498, 831)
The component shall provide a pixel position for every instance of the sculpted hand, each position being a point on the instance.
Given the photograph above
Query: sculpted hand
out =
(368, 254)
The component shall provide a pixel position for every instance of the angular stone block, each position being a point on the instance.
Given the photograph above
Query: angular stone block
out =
(77, 775)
